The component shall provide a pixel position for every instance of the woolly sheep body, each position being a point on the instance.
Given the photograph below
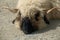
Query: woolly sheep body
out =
(25, 5)
(42, 4)
(29, 7)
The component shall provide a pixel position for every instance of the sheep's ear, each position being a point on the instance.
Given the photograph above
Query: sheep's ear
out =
(50, 10)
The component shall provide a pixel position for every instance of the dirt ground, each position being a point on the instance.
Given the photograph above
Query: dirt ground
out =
(9, 32)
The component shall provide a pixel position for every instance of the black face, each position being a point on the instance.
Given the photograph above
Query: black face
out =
(27, 26)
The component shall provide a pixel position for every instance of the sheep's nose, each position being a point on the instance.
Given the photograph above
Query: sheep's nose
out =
(26, 26)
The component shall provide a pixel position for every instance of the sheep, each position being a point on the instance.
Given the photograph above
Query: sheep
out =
(33, 15)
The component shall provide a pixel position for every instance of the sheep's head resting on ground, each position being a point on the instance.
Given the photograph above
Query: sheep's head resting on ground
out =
(30, 20)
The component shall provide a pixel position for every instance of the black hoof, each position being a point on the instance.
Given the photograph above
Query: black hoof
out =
(13, 21)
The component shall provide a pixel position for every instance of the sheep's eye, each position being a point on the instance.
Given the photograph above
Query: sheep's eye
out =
(37, 15)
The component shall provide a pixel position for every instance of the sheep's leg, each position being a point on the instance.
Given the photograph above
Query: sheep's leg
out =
(16, 19)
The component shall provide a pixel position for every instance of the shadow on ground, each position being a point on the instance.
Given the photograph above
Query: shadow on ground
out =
(52, 26)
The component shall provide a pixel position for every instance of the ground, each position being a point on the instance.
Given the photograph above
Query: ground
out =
(9, 32)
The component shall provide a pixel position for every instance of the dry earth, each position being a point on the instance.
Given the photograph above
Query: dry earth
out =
(9, 32)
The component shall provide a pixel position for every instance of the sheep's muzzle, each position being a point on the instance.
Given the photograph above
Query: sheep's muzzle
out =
(26, 26)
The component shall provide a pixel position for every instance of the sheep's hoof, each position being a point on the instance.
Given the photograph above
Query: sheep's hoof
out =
(13, 21)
